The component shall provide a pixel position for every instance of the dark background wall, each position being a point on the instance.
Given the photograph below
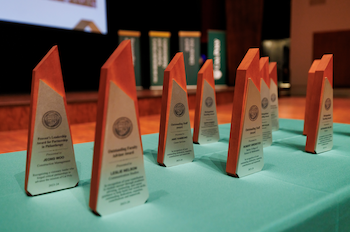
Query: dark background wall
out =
(82, 54)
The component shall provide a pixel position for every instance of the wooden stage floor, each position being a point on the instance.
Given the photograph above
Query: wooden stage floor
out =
(289, 107)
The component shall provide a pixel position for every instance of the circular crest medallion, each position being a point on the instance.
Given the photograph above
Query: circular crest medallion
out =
(273, 97)
(209, 102)
(51, 119)
(179, 109)
(253, 113)
(327, 104)
(264, 103)
(122, 127)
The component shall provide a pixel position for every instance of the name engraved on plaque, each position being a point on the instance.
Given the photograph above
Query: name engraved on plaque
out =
(52, 164)
(274, 105)
(274, 96)
(122, 181)
(208, 129)
(265, 114)
(251, 147)
(325, 128)
(179, 146)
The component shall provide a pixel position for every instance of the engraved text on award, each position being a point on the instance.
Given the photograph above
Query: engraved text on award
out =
(265, 114)
(208, 128)
(179, 146)
(52, 165)
(325, 127)
(122, 179)
(251, 149)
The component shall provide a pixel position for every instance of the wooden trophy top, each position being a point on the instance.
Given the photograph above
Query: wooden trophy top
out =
(325, 69)
(205, 73)
(264, 70)
(322, 70)
(175, 71)
(314, 66)
(309, 90)
(273, 71)
(118, 69)
(49, 71)
(248, 68)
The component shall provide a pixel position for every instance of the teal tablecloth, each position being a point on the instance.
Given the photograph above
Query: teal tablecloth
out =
(295, 191)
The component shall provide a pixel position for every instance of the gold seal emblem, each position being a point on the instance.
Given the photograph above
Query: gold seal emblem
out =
(273, 97)
(122, 127)
(264, 103)
(51, 119)
(253, 112)
(209, 102)
(327, 104)
(179, 109)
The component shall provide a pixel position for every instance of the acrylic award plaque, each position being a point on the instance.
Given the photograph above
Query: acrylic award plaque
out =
(206, 128)
(273, 96)
(265, 101)
(175, 138)
(50, 156)
(118, 180)
(309, 90)
(245, 153)
(320, 133)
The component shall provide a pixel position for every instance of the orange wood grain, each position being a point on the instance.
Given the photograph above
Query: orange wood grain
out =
(118, 69)
(249, 68)
(273, 72)
(14, 117)
(205, 73)
(49, 71)
(174, 71)
(324, 69)
(81, 112)
(309, 93)
(264, 70)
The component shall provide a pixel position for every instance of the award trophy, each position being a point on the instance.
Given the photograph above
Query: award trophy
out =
(206, 128)
(245, 152)
(50, 156)
(320, 130)
(309, 89)
(175, 139)
(118, 180)
(265, 101)
(273, 96)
